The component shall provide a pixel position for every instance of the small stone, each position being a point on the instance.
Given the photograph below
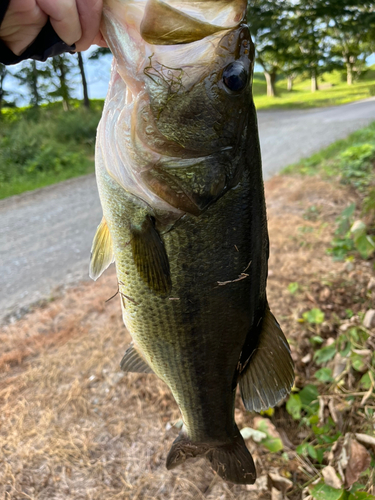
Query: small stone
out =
(306, 359)
(369, 321)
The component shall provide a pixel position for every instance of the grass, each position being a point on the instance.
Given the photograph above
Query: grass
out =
(334, 91)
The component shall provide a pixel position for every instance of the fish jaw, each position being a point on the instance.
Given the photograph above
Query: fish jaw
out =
(167, 107)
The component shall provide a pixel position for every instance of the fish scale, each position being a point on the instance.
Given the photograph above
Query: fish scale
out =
(184, 218)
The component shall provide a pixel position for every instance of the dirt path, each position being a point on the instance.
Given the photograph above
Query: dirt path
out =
(46, 235)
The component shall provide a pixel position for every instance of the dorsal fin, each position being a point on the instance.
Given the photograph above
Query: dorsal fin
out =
(165, 25)
(134, 362)
(101, 251)
(268, 375)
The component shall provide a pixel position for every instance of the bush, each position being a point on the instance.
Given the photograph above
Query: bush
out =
(35, 144)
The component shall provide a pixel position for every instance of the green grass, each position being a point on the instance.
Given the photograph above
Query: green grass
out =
(334, 91)
(45, 146)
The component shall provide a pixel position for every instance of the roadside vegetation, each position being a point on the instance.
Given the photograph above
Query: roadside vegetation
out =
(46, 145)
(333, 401)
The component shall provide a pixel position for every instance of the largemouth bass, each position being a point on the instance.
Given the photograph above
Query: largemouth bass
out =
(180, 181)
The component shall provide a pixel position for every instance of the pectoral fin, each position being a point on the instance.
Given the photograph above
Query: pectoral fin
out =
(151, 258)
(101, 251)
(268, 374)
(164, 25)
(134, 362)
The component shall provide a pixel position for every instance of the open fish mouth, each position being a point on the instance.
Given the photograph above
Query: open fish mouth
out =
(181, 73)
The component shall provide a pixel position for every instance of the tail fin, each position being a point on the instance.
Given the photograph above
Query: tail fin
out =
(232, 461)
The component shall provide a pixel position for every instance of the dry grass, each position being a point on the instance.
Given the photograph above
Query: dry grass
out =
(72, 426)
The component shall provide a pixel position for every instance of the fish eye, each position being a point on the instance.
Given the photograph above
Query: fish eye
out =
(235, 76)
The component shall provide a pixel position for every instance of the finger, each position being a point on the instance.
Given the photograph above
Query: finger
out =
(99, 40)
(64, 18)
(90, 13)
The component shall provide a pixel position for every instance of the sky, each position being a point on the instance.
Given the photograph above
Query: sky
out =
(97, 73)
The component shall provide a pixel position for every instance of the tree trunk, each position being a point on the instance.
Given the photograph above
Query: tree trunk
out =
(314, 81)
(270, 79)
(34, 84)
(64, 87)
(349, 73)
(86, 100)
(290, 83)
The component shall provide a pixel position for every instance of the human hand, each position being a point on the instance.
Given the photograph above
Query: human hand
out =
(75, 21)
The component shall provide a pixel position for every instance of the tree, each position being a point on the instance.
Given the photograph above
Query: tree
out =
(34, 76)
(352, 28)
(269, 22)
(3, 74)
(312, 39)
(61, 68)
(86, 100)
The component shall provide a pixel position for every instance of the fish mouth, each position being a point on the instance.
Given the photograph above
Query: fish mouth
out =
(167, 46)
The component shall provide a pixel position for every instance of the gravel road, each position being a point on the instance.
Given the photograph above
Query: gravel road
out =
(46, 234)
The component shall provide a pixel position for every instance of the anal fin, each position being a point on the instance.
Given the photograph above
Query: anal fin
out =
(134, 362)
(101, 251)
(268, 375)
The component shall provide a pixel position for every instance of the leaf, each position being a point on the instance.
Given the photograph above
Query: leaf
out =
(358, 362)
(314, 316)
(359, 461)
(312, 451)
(293, 288)
(324, 375)
(309, 394)
(273, 441)
(361, 495)
(294, 406)
(325, 354)
(322, 491)
(366, 382)
(365, 246)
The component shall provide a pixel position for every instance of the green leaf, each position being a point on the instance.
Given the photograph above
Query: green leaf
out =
(361, 495)
(294, 406)
(293, 288)
(316, 339)
(272, 443)
(365, 246)
(357, 362)
(366, 382)
(324, 492)
(312, 451)
(314, 316)
(308, 395)
(324, 375)
(325, 354)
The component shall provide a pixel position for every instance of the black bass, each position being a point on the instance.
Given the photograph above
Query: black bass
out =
(180, 181)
